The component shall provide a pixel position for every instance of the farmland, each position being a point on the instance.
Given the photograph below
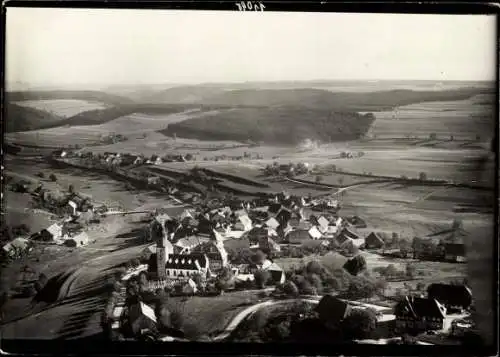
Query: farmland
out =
(63, 108)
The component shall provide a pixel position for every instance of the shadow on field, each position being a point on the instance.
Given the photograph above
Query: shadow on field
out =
(87, 305)
(50, 291)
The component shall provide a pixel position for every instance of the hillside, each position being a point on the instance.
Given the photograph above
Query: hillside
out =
(181, 94)
(340, 101)
(24, 118)
(288, 125)
(101, 116)
(96, 96)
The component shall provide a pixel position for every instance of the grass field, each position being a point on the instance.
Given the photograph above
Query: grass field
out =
(212, 314)
(64, 108)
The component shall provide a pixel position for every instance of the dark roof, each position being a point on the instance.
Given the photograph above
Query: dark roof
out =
(332, 309)
(298, 236)
(374, 239)
(274, 208)
(284, 215)
(418, 307)
(186, 261)
(455, 249)
(452, 295)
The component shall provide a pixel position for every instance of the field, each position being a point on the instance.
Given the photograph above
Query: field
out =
(63, 108)
(464, 119)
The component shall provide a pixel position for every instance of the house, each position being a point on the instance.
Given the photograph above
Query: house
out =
(332, 311)
(415, 314)
(297, 236)
(258, 233)
(346, 234)
(268, 245)
(314, 233)
(141, 318)
(454, 297)
(373, 241)
(216, 253)
(454, 252)
(187, 213)
(323, 224)
(78, 240)
(272, 223)
(276, 272)
(55, 231)
(73, 207)
(243, 223)
(16, 247)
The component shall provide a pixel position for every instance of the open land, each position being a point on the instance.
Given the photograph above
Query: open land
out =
(444, 139)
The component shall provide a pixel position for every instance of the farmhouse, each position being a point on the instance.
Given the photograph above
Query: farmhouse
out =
(16, 247)
(454, 297)
(55, 231)
(268, 245)
(345, 235)
(284, 216)
(419, 314)
(374, 241)
(332, 311)
(276, 272)
(216, 253)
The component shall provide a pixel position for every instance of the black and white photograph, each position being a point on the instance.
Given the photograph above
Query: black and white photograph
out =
(178, 176)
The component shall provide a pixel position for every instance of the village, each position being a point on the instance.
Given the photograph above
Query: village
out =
(218, 247)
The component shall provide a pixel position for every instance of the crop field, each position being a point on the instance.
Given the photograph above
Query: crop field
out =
(64, 108)
(464, 119)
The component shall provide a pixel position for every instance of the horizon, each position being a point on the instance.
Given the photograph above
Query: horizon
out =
(82, 47)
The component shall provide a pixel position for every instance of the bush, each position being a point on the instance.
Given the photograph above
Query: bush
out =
(359, 324)
(262, 277)
(314, 267)
(316, 283)
(41, 174)
(135, 263)
(53, 178)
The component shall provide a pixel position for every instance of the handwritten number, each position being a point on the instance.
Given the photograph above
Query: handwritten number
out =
(249, 5)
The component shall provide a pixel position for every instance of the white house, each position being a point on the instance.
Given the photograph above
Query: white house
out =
(244, 223)
(55, 230)
(184, 266)
(315, 233)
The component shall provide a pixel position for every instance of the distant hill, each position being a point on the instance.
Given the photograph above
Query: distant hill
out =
(284, 125)
(101, 116)
(181, 94)
(96, 96)
(341, 101)
(24, 118)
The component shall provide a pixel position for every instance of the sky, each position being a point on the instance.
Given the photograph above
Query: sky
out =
(113, 47)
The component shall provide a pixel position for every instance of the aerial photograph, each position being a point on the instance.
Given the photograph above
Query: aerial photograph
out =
(206, 176)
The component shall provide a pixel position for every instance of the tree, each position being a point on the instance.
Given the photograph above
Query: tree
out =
(432, 136)
(306, 288)
(53, 178)
(262, 277)
(314, 267)
(316, 282)
(258, 257)
(189, 157)
(341, 181)
(381, 286)
(422, 176)
(319, 178)
(359, 324)
(41, 174)
(290, 289)
(410, 271)
(457, 224)
(390, 271)
(135, 263)
(451, 137)
(71, 189)
(420, 286)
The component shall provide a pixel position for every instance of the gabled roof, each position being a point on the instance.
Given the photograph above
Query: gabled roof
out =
(245, 222)
(186, 261)
(274, 208)
(332, 309)
(54, 229)
(189, 242)
(297, 236)
(142, 309)
(323, 222)
(448, 294)
(417, 308)
(457, 249)
(272, 223)
(315, 233)
(374, 239)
